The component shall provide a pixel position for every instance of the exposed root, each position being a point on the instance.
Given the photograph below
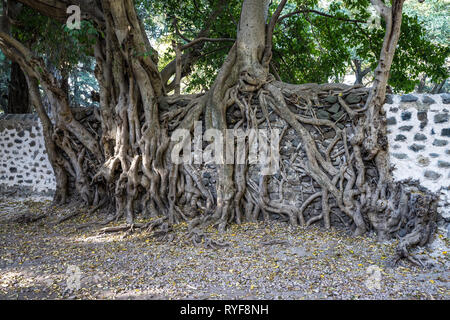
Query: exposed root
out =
(341, 165)
(67, 217)
(274, 242)
(199, 238)
(29, 218)
(420, 226)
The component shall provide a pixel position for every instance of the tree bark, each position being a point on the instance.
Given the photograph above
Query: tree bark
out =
(18, 101)
(359, 73)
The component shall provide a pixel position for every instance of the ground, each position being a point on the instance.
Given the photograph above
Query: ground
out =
(262, 261)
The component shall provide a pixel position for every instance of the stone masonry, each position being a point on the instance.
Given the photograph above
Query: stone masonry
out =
(419, 139)
(24, 165)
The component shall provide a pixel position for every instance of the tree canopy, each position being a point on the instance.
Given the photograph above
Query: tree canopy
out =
(314, 41)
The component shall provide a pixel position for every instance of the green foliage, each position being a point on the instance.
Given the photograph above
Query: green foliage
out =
(308, 47)
(192, 17)
(433, 16)
(328, 45)
(68, 53)
(61, 47)
(417, 55)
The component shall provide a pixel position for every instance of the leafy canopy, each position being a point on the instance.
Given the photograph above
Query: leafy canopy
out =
(316, 44)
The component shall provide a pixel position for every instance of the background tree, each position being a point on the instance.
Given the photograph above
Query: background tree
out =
(65, 53)
(432, 16)
(17, 97)
(313, 42)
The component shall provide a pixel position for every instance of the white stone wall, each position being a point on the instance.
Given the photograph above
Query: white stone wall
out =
(419, 139)
(24, 165)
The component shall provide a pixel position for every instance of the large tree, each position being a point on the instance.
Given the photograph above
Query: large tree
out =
(18, 101)
(126, 163)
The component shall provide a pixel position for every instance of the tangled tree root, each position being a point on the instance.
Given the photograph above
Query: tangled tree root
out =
(340, 164)
(419, 224)
(147, 227)
(347, 169)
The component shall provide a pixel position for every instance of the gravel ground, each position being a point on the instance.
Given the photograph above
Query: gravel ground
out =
(263, 261)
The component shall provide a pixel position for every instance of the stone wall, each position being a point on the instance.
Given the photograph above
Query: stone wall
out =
(24, 165)
(419, 139)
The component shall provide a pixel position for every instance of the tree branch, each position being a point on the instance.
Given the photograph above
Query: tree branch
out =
(57, 9)
(203, 39)
(381, 8)
(34, 67)
(269, 33)
(189, 58)
(177, 30)
(320, 14)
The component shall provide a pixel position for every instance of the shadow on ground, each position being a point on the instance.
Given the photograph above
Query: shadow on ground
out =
(263, 261)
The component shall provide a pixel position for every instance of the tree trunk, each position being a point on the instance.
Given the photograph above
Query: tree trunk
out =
(421, 86)
(438, 87)
(359, 73)
(18, 101)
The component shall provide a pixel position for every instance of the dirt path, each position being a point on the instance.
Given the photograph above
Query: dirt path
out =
(38, 261)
